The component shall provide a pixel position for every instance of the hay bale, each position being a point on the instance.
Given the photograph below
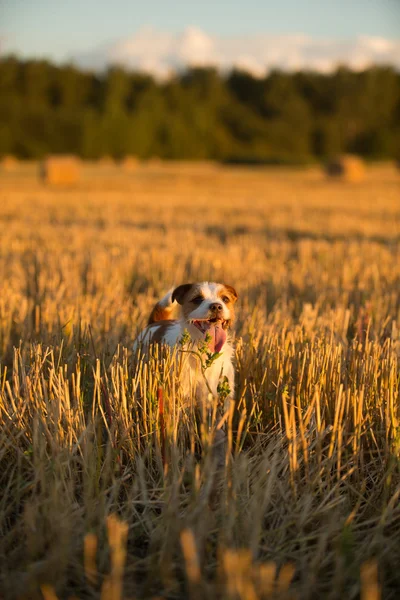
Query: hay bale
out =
(346, 167)
(9, 163)
(60, 170)
(130, 163)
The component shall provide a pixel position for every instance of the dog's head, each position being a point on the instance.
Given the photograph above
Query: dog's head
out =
(208, 308)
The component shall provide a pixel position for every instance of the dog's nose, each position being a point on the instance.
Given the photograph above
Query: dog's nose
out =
(216, 307)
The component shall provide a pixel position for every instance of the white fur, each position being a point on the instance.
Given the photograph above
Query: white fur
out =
(210, 292)
(192, 378)
(167, 299)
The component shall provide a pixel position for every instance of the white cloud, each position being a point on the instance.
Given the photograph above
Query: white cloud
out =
(161, 53)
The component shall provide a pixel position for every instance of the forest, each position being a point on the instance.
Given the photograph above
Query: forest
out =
(283, 118)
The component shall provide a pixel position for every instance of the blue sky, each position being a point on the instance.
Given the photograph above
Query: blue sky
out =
(59, 28)
(160, 36)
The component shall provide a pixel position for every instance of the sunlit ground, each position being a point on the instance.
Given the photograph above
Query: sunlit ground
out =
(308, 503)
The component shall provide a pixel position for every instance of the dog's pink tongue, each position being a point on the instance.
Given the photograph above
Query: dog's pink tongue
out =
(218, 336)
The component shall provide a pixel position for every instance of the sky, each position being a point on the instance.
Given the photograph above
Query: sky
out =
(160, 35)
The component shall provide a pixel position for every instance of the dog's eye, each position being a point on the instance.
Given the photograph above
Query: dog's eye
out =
(225, 299)
(197, 300)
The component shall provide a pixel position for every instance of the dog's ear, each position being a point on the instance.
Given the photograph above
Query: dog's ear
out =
(180, 292)
(232, 292)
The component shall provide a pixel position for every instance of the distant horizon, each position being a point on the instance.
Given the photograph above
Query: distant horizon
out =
(160, 38)
(162, 54)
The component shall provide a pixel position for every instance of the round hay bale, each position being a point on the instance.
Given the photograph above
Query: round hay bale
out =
(9, 163)
(60, 170)
(346, 167)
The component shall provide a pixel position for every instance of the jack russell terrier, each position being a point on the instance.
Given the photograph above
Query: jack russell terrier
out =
(201, 314)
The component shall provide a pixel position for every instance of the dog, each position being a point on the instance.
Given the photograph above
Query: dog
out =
(198, 316)
(197, 319)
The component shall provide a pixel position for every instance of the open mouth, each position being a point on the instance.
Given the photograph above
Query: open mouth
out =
(215, 328)
(204, 324)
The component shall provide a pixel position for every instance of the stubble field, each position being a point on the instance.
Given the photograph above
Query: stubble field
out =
(104, 495)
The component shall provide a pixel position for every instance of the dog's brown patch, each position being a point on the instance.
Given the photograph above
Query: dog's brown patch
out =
(160, 313)
(229, 291)
(228, 296)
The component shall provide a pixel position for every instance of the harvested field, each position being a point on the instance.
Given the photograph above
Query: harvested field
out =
(103, 493)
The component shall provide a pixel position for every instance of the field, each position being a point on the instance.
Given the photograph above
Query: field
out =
(104, 492)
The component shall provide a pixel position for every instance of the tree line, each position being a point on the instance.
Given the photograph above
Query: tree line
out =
(200, 114)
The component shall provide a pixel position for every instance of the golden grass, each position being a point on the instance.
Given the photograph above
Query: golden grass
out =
(103, 497)
(9, 163)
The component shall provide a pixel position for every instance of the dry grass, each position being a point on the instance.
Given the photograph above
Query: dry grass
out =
(103, 496)
(9, 163)
(106, 162)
